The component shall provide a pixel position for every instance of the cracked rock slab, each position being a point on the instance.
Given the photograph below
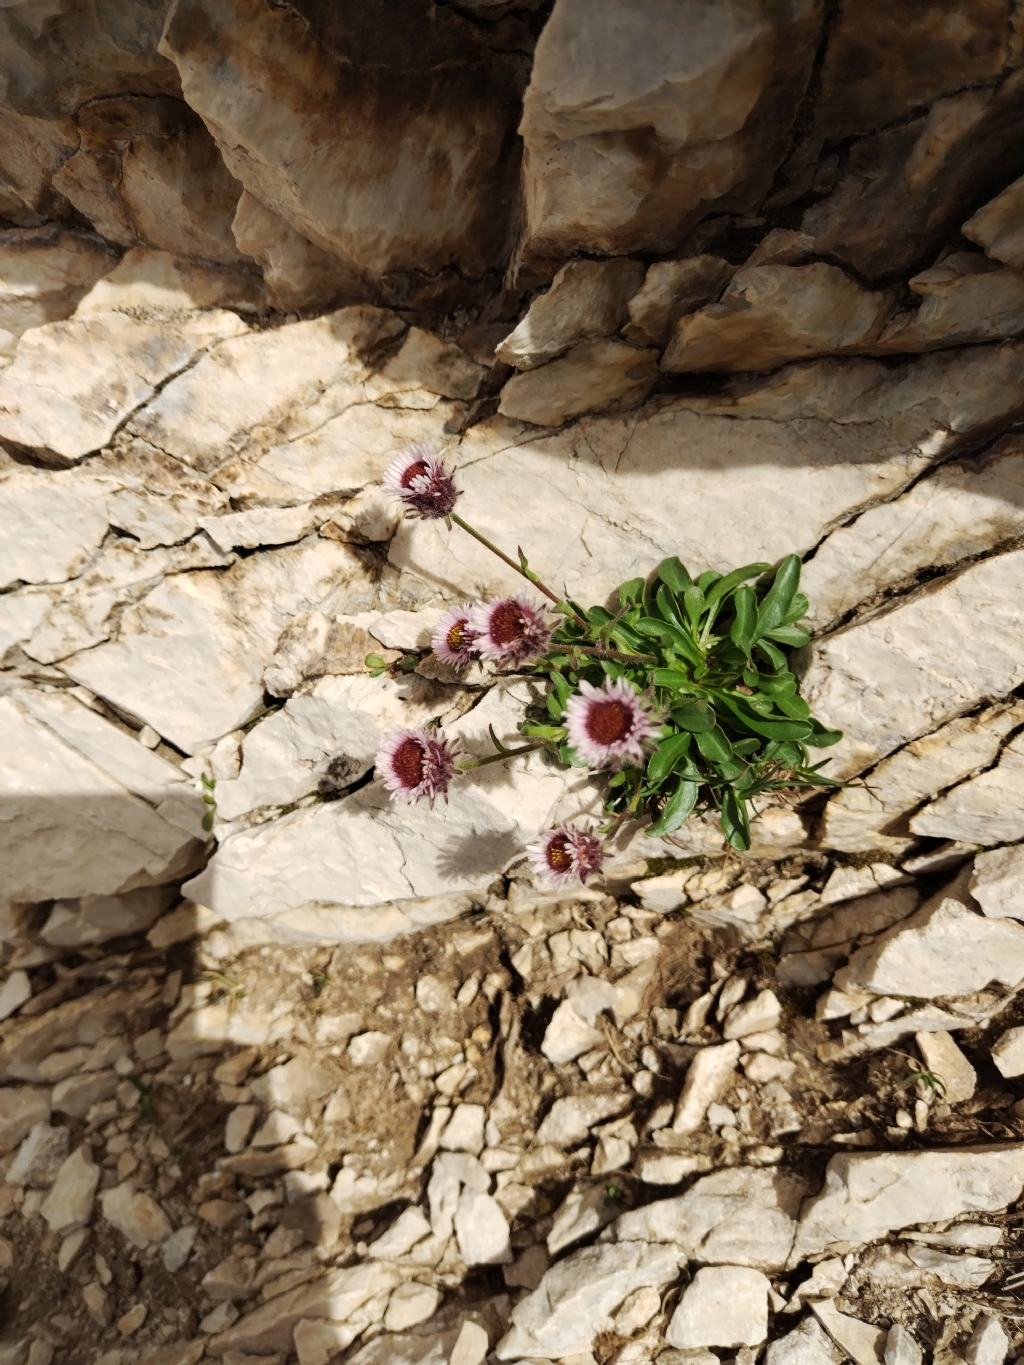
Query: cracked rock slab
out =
(72, 384)
(110, 814)
(887, 680)
(945, 949)
(578, 1296)
(985, 809)
(867, 1195)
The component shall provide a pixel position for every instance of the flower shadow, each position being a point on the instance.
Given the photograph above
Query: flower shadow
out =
(477, 855)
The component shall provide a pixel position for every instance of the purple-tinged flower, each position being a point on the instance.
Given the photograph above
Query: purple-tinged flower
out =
(422, 482)
(608, 725)
(454, 640)
(566, 854)
(510, 630)
(416, 765)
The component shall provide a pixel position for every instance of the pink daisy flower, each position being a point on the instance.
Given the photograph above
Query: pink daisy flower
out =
(454, 640)
(608, 725)
(416, 765)
(510, 630)
(422, 482)
(565, 854)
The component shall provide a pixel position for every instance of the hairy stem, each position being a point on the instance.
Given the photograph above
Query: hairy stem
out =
(472, 763)
(520, 569)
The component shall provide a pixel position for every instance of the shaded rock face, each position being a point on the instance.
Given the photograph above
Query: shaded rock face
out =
(383, 138)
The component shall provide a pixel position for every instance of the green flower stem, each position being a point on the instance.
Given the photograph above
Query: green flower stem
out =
(472, 763)
(599, 652)
(520, 569)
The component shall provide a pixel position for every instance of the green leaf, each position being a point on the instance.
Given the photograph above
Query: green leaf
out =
(821, 738)
(666, 756)
(671, 636)
(208, 781)
(707, 579)
(714, 745)
(207, 821)
(563, 688)
(734, 820)
(695, 716)
(672, 678)
(779, 597)
(793, 636)
(553, 732)
(743, 627)
(631, 593)
(676, 808)
(554, 706)
(725, 585)
(773, 654)
(799, 606)
(693, 605)
(668, 608)
(793, 706)
(769, 726)
(672, 572)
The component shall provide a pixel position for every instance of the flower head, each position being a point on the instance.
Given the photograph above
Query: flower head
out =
(566, 854)
(454, 640)
(416, 765)
(510, 630)
(422, 482)
(608, 725)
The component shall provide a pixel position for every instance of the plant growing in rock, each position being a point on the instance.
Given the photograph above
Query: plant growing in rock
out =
(679, 697)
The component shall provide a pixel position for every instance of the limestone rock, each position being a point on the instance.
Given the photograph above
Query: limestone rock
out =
(988, 1343)
(919, 177)
(14, 991)
(707, 1077)
(901, 1348)
(807, 1344)
(481, 1229)
(889, 58)
(189, 658)
(44, 272)
(859, 816)
(771, 314)
(163, 185)
(594, 376)
(567, 1036)
(297, 274)
(814, 447)
(324, 738)
(24, 1106)
(722, 1305)
(869, 1194)
(671, 288)
(375, 142)
(863, 1343)
(70, 1201)
(959, 511)
(339, 1296)
(571, 1118)
(160, 282)
(997, 882)
(577, 1297)
(135, 1214)
(742, 1216)
(635, 122)
(944, 1059)
(72, 384)
(998, 226)
(944, 949)
(40, 1157)
(984, 809)
(111, 814)
(965, 298)
(885, 681)
(1008, 1052)
(339, 870)
(265, 382)
(586, 299)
